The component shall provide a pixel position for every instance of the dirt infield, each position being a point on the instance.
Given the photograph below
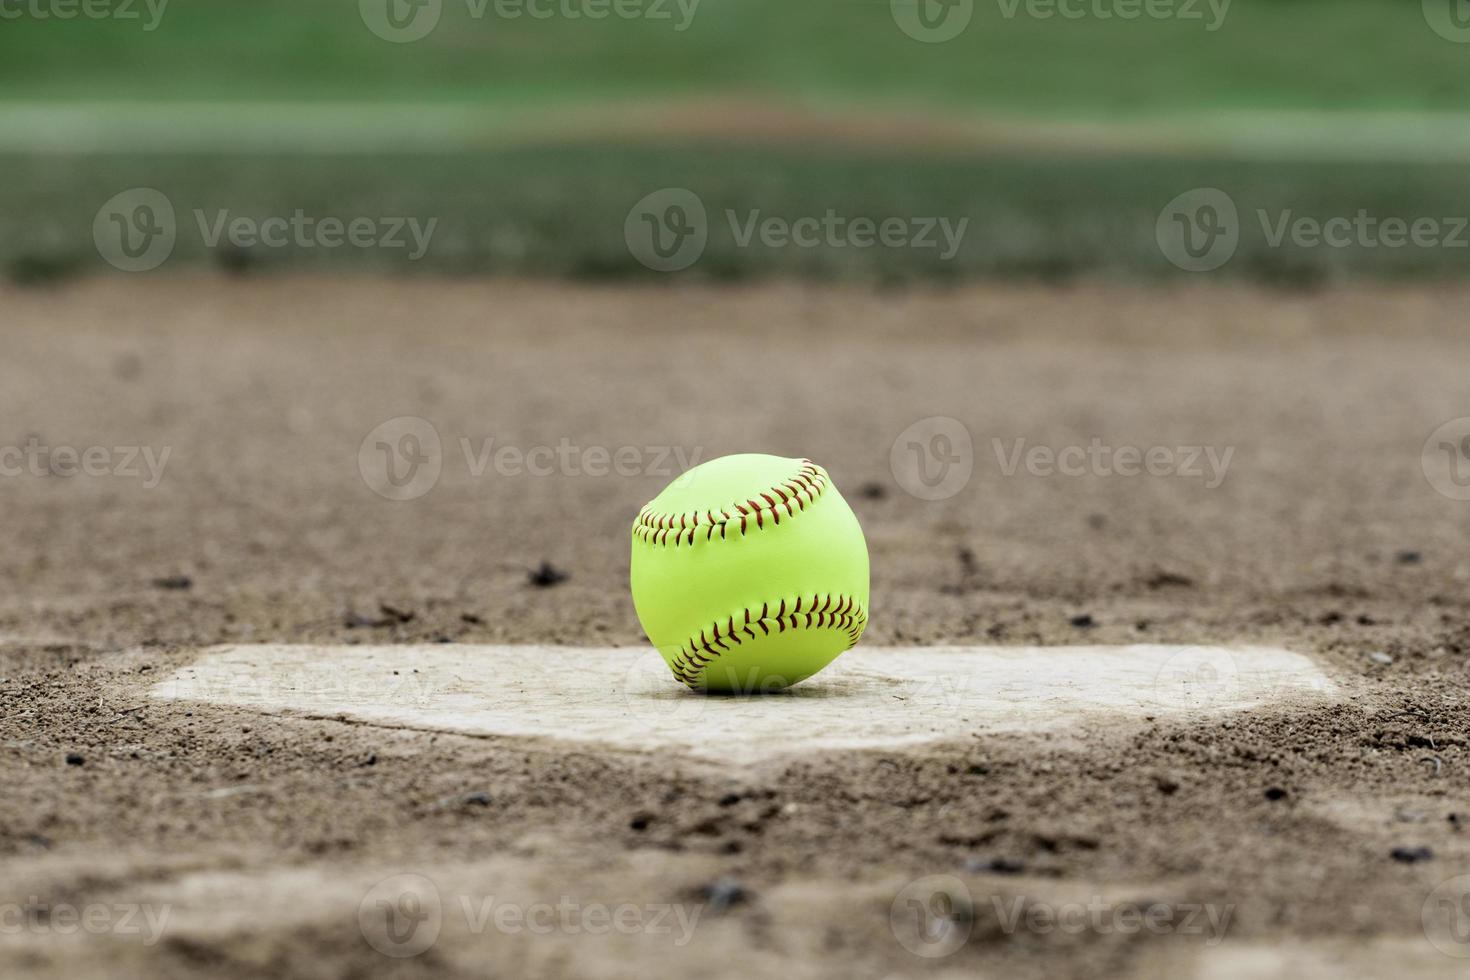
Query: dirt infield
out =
(231, 484)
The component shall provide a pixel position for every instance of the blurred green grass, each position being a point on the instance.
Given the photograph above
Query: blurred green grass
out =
(1266, 55)
(559, 212)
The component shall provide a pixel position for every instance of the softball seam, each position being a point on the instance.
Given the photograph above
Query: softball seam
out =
(796, 494)
(847, 616)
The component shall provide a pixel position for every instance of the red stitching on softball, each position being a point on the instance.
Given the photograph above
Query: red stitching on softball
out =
(688, 664)
(796, 494)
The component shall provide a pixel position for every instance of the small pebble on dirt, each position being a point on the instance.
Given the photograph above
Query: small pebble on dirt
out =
(1165, 580)
(175, 582)
(1411, 855)
(999, 865)
(547, 575)
(464, 799)
(394, 613)
(1083, 622)
(1275, 793)
(73, 759)
(723, 893)
(1379, 657)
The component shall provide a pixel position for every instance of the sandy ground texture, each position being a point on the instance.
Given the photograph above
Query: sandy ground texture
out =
(151, 838)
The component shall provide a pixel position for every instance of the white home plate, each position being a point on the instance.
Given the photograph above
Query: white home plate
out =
(625, 697)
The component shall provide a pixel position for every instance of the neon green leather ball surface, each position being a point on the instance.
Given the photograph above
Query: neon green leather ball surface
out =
(750, 573)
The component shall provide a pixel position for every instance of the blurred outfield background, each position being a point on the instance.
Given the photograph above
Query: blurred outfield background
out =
(529, 129)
